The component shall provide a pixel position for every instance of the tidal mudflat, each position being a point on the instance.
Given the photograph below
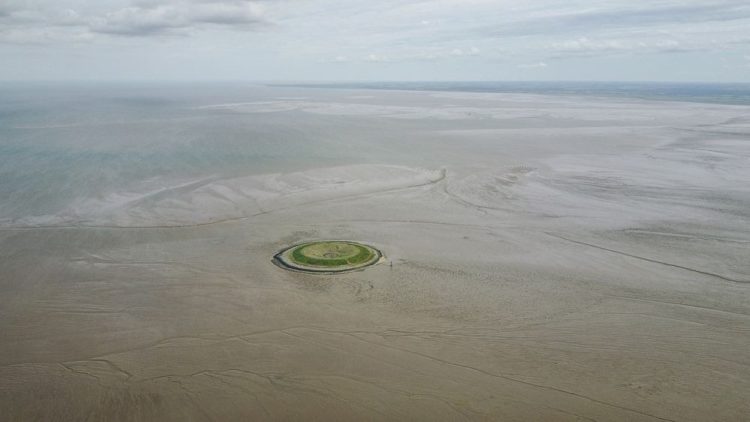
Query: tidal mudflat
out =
(554, 257)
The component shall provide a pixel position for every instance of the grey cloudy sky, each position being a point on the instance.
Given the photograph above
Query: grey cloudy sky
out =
(687, 40)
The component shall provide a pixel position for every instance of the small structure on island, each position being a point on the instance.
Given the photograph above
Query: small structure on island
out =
(327, 257)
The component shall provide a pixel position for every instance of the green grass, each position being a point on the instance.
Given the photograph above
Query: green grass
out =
(363, 255)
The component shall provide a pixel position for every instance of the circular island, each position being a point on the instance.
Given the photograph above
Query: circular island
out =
(328, 256)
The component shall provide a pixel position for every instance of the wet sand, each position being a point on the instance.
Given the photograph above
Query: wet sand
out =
(554, 258)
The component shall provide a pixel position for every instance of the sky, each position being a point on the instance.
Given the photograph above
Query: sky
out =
(375, 40)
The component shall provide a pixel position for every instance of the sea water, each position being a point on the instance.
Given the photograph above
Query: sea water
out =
(63, 144)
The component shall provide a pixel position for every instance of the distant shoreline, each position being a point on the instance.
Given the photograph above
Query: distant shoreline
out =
(694, 92)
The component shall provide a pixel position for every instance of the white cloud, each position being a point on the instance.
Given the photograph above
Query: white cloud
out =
(375, 58)
(473, 51)
(43, 35)
(68, 20)
(167, 16)
(478, 37)
(537, 65)
(410, 55)
(340, 59)
(584, 46)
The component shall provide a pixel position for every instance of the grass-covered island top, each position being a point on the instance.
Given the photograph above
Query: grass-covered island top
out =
(329, 256)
